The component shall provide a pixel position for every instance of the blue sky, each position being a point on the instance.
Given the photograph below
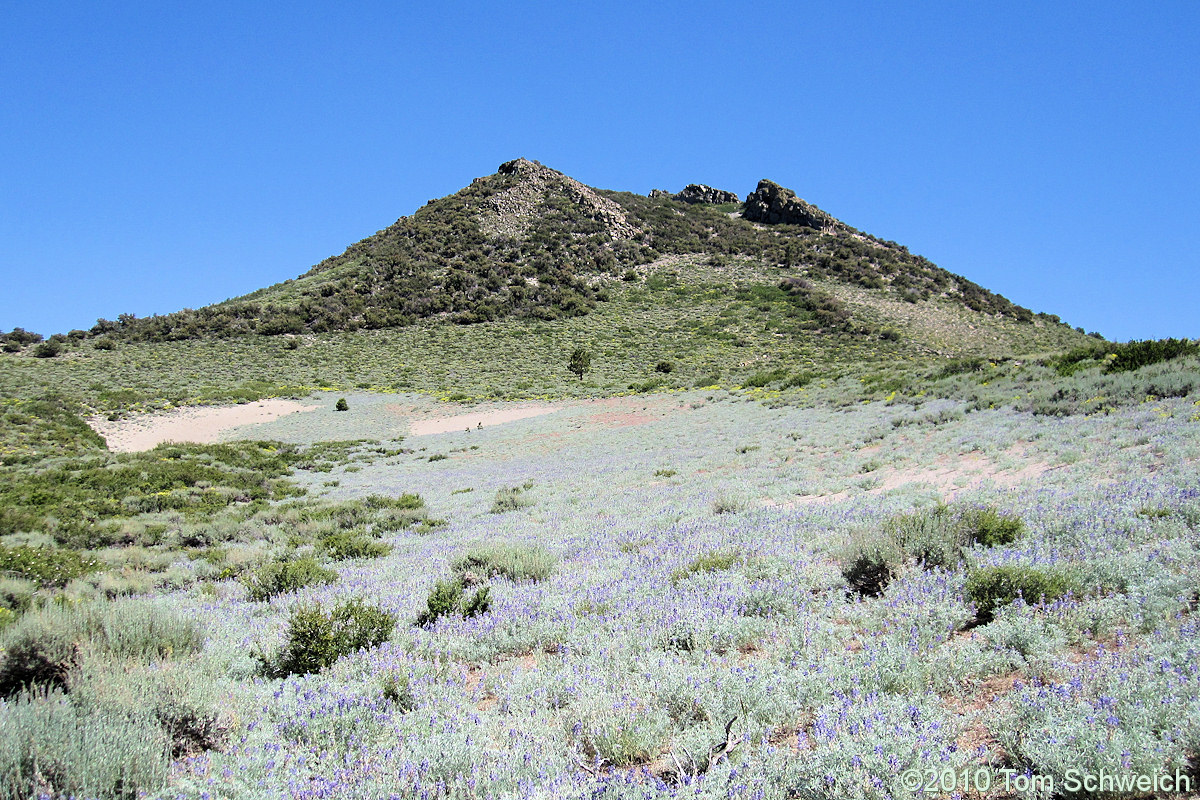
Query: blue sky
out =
(158, 156)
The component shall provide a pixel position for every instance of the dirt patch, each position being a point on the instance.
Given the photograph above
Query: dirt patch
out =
(475, 419)
(202, 424)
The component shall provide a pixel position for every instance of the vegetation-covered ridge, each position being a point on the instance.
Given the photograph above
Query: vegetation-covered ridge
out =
(530, 242)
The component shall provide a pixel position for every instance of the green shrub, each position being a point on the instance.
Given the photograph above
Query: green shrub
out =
(16, 594)
(47, 350)
(510, 499)
(870, 561)
(449, 597)
(46, 645)
(992, 587)
(315, 638)
(715, 561)
(665, 367)
(46, 566)
(350, 544)
(398, 691)
(931, 537)
(514, 561)
(50, 747)
(140, 629)
(341, 405)
(760, 379)
(799, 380)
(41, 648)
(1132, 355)
(990, 528)
(280, 577)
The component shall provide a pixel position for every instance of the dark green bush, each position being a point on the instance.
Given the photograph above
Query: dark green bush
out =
(47, 350)
(1132, 355)
(990, 528)
(316, 638)
(664, 367)
(449, 597)
(280, 577)
(992, 587)
(760, 379)
(342, 405)
(349, 544)
(870, 561)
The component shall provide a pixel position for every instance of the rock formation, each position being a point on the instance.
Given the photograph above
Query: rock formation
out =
(772, 204)
(699, 193)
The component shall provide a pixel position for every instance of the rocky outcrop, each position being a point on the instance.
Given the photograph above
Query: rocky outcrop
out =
(510, 212)
(699, 193)
(772, 204)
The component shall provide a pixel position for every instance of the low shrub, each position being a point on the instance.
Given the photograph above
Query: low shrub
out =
(870, 561)
(990, 528)
(46, 566)
(761, 379)
(398, 691)
(44, 646)
(992, 587)
(40, 649)
(47, 350)
(931, 537)
(665, 367)
(341, 405)
(281, 577)
(350, 544)
(50, 747)
(514, 561)
(714, 561)
(449, 598)
(512, 498)
(317, 638)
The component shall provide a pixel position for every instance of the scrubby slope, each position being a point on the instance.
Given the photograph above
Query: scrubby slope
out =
(531, 242)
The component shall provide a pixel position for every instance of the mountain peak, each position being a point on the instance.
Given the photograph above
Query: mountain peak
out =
(524, 191)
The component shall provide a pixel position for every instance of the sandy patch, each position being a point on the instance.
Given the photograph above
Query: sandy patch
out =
(486, 419)
(952, 475)
(201, 424)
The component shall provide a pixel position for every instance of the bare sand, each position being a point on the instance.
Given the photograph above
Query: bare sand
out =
(458, 422)
(200, 424)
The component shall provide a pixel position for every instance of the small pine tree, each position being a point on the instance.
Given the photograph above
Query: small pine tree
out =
(342, 405)
(581, 361)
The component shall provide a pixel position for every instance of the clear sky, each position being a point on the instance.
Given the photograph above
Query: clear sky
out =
(156, 156)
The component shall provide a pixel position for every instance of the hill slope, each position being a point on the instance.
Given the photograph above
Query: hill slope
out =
(532, 243)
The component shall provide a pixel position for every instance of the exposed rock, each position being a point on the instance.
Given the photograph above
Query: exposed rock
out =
(699, 193)
(510, 212)
(659, 193)
(772, 204)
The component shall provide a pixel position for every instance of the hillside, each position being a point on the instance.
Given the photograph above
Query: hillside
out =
(529, 242)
